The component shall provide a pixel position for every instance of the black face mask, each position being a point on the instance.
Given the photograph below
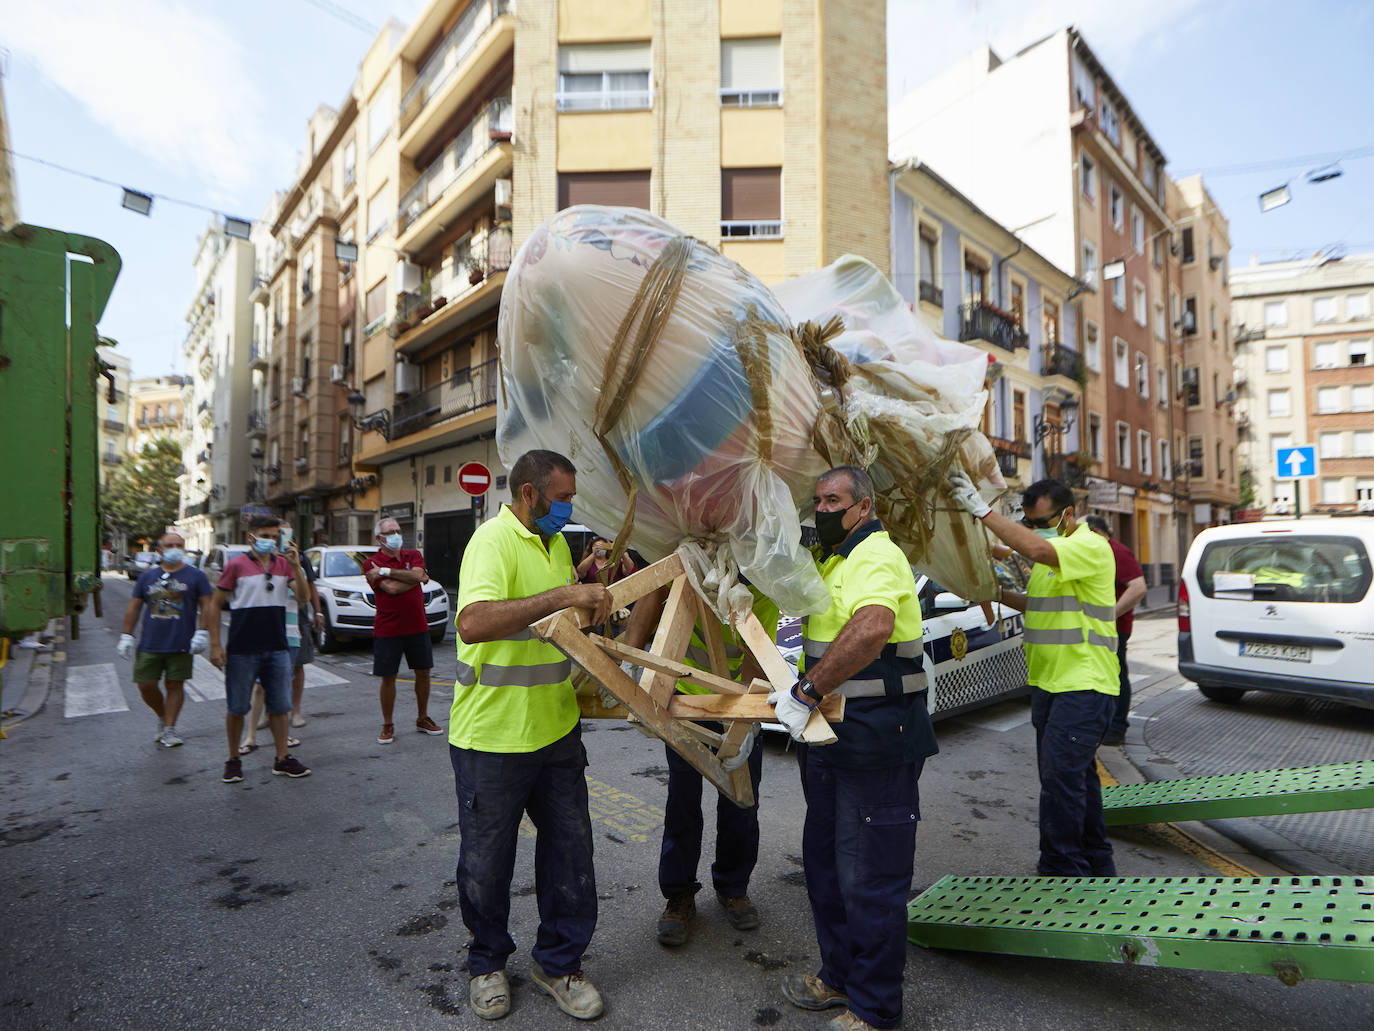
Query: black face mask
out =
(830, 527)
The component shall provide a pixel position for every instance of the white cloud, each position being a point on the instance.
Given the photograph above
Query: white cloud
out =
(926, 36)
(168, 78)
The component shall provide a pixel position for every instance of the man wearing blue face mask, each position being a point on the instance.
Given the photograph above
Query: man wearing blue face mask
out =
(1070, 607)
(174, 594)
(516, 745)
(397, 573)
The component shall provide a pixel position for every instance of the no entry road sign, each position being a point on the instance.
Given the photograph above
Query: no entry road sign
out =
(475, 478)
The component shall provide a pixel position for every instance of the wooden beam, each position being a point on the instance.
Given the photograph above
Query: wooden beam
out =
(710, 633)
(569, 639)
(752, 707)
(678, 670)
(671, 640)
(623, 593)
(779, 674)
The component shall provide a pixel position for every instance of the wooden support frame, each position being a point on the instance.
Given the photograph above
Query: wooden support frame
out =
(653, 700)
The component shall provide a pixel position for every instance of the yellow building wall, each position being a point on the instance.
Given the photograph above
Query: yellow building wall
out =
(801, 182)
(534, 185)
(744, 18)
(765, 258)
(686, 183)
(605, 141)
(600, 21)
(751, 137)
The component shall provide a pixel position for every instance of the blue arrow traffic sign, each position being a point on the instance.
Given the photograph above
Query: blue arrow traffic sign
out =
(1296, 463)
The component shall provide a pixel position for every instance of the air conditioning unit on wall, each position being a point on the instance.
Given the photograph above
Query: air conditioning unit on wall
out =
(336, 373)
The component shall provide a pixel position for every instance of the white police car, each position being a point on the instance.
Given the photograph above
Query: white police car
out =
(969, 662)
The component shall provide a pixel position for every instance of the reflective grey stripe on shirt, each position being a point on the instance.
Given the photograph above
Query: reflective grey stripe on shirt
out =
(815, 649)
(520, 635)
(1068, 603)
(1073, 635)
(876, 687)
(516, 676)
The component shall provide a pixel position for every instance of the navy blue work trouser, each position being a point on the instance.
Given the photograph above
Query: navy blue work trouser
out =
(858, 851)
(495, 789)
(1069, 725)
(737, 830)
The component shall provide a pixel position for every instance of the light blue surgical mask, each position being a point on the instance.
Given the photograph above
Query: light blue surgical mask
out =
(394, 541)
(1048, 532)
(173, 555)
(557, 517)
(264, 545)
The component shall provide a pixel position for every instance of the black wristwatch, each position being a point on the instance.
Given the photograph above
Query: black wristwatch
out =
(805, 687)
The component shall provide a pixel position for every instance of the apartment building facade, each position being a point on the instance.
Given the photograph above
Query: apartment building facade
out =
(1207, 432)
(215, 398)
(112, 426)
(1074, 172)
(1308, 378)
(969, 278)
(464, 132)
(155, 410)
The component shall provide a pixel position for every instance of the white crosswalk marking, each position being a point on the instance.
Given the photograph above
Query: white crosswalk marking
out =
(92, 690)
(207, 683)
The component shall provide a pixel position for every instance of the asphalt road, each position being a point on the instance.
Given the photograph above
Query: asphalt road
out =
(141, 892)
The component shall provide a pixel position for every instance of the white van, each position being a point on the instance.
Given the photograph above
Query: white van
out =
(1280, 605)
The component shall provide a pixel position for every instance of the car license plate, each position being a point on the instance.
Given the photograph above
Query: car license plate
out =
(1284, 652)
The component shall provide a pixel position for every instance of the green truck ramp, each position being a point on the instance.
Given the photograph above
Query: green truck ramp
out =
(1305, 789)
(1294, 928)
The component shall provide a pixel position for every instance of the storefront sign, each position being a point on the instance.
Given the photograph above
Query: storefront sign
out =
(404, 512)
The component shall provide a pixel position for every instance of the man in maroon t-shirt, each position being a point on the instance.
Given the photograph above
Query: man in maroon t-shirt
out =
(396, 575)
(1130, 590)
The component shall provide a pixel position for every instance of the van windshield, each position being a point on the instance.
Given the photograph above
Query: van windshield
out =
(1313, 568)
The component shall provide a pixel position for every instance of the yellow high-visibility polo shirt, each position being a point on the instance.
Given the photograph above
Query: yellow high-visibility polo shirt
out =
(1071, 617)
(516, 694)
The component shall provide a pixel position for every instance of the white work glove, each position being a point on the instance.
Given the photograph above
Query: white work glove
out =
(200, 642)
(791, 713)
(125, 647)
(608, 699)
(966, 495)
(746, 746)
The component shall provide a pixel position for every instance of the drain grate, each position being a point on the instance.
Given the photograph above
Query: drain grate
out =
(1294, 928)
(1307, 789)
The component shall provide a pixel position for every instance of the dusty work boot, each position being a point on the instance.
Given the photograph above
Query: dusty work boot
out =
(742, 914)
(575, 995)
(489, 995)
(847, 1021)
(673, 925)
(809, 992)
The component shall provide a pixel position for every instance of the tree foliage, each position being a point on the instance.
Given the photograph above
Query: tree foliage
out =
(142, 499)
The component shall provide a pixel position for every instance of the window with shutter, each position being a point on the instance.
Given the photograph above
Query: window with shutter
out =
(751, 202)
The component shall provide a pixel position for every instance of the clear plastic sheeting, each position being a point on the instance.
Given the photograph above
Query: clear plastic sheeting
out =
(666, 372)
(905, 404)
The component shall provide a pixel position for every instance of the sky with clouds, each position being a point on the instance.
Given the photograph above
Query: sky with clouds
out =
(208, 102)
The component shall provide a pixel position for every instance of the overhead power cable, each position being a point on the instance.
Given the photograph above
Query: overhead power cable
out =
(344, 15)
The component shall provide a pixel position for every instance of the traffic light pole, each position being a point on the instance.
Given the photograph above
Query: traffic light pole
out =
(1297, 499)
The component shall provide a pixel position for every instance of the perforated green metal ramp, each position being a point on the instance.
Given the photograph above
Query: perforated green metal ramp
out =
(1305, 789)
(1294, 928)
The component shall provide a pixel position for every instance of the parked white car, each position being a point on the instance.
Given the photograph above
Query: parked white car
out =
(348, 601)
(1281, 605)
(975, 663)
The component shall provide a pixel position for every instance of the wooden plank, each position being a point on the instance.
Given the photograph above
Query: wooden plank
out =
(678, 670)
(623, 594)
(779, 674)
(710, 631)
(570, 640)
(671, 640)
(753, 707)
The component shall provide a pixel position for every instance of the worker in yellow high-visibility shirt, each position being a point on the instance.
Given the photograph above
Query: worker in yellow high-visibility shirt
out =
(1070, 641)
(515, 743)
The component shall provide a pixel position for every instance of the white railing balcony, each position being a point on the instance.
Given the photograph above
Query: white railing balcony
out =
(606, 100)
(460, 42)
(492, 126)
(767, 229)
(751, 98)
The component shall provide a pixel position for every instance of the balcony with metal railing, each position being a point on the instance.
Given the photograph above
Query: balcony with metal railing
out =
(257, 357)
(1071, 470)
(463, 287)
(481, 38)
(467, 168)
(1058, 360)
(932, 294)
(257, 423)
(981, 321)
(472, 389)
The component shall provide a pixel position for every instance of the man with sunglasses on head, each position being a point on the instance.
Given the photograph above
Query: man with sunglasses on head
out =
(253, 585)
(1070, 642)
(516, 745)
(174, 629)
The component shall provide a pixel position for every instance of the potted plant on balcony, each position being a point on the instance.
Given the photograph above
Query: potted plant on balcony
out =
(475, 272)
(1081, 459)
(422, 311)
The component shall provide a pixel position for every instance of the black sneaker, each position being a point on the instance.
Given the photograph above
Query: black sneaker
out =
(673, 924)
(742, 914)
(233, 771)
(290, 766)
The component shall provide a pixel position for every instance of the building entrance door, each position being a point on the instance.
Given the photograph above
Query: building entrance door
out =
(446, 537)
